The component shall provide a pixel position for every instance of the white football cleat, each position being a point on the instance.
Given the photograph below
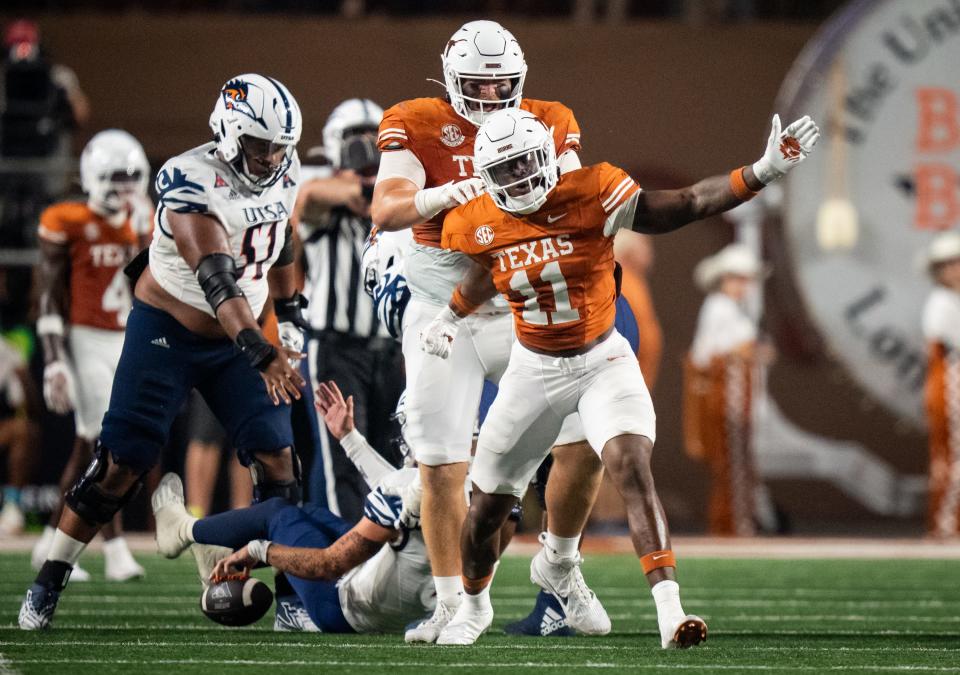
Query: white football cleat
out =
(118, 562)
(173, 521)
(562, 578)
(207, 557)
(79, 575)
(292, 617)
(11, 520)
(468, 624)
(429, 629)
(689, 631)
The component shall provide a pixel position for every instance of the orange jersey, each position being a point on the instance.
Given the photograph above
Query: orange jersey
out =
(99, 292)
(555, 266)
(443, 142)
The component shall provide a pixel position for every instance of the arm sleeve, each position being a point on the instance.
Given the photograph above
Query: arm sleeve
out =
(371, 465)
(402, 164)
(618, 197)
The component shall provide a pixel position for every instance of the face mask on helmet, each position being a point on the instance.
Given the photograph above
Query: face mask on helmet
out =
(520, 183)
(263, 161)
(482, 96)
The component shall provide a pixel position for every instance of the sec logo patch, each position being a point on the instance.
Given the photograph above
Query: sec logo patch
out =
(484, 235)
(451, 136)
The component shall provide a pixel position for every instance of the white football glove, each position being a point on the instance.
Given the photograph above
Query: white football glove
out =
(436, 338)
(291, 337)
(410, 497)
(431, 201)
(59, 391)
(787, 149)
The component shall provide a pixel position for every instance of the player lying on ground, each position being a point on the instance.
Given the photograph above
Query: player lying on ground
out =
(545, 242)
(372, 577)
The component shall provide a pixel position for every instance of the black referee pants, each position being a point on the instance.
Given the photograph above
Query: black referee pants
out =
(370, 370)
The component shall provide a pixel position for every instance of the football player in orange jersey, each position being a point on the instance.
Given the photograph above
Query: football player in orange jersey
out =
(84, 248)
(545, 242)
(425, 170)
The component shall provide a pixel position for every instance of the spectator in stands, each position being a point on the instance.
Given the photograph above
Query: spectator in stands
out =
(941, 330)
(720, 377)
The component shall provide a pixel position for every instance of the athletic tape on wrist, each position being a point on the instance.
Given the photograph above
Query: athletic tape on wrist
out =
(50, 324)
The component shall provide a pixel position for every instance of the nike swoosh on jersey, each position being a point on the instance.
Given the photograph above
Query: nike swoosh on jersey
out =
(553, 219)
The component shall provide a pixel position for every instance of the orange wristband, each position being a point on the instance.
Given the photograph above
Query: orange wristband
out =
(656, 560)
(460, 305)
(739, 185)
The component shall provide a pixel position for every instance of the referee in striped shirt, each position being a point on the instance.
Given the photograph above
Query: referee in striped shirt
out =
(347, 344)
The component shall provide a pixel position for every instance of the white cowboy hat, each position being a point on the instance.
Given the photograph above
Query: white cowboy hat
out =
(735, 259)
(943, 248)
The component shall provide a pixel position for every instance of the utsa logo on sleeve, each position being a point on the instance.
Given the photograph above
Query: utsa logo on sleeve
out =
(99, 292)
(443, 142)
(556, 265)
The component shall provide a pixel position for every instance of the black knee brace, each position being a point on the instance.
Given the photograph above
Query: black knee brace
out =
(92, 504)
(264, 489)
(540, 480)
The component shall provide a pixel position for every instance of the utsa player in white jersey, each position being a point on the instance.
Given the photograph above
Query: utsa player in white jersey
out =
(84, 303)
(372, 577)
(426, 170)
(221, 248)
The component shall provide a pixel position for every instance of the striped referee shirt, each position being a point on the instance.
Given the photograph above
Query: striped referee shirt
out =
(334, 277)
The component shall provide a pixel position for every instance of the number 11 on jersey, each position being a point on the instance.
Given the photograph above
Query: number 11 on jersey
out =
(533, 313)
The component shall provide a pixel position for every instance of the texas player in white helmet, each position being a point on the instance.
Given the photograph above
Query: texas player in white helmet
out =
(221, 248)
(426, 169)
(84, 302)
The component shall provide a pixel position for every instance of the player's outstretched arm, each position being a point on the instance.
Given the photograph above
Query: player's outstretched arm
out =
(202, 243)
(322, 564)
(662, 211)
(337, 415)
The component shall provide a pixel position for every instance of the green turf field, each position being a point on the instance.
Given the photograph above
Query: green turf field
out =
(764, 615)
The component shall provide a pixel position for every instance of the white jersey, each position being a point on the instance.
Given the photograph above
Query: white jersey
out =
(395, 586)
(941, 317)
(722, 326)
(199, 182)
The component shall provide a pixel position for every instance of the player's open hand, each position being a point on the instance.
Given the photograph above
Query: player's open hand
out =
(238, 563)
(337, 412)
(283, 381)
(785, 149)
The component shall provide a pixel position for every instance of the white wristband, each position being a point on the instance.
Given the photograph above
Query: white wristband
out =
(50, 324)
(429, 201)
(258, 549)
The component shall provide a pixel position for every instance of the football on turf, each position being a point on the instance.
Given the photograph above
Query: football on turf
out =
(236, 602)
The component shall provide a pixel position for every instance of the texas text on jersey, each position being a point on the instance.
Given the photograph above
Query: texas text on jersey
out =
(418, 124)
(199, 182)
(99, 292)
(556, 265)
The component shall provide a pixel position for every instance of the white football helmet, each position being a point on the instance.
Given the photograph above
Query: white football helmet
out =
(113, 165)
(482, 50)
(516, 158)
(262, 112)
(352, 115)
